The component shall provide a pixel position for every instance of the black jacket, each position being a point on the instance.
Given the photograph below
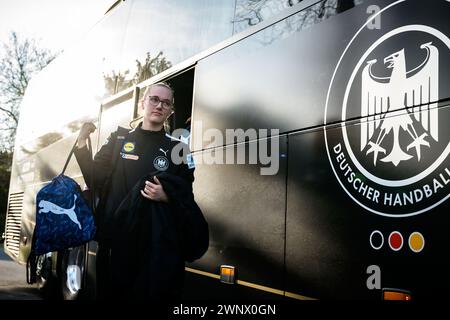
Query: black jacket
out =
(148, 241)
(163, 236)
(113, 183)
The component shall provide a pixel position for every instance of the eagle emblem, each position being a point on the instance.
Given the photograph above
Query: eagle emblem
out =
(161, 163)
(386, 100)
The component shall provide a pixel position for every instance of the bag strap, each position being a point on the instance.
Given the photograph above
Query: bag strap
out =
(32, 262)
(72, 151)
(91, 179)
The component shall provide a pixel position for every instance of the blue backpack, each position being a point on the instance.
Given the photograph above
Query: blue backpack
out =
(64, 219)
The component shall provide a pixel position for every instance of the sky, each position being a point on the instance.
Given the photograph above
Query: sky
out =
(55, 24)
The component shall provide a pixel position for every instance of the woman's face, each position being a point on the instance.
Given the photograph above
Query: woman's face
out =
(157, 104)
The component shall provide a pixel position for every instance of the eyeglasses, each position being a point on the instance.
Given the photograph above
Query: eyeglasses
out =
(155, 100)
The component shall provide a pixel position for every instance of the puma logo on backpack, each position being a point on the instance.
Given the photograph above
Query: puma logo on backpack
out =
(47, 206)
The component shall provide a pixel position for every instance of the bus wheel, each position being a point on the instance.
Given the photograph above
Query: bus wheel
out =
(72, 273)
(43, 271)
(44, 277)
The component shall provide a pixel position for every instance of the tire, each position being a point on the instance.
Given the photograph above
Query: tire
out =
(45, 280)
(72, 273)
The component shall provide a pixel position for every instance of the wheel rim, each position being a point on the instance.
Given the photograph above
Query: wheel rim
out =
(43, 267)
(73, 282)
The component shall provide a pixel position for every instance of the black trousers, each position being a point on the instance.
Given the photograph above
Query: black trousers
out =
(124, 273)
(104, 281)
(116, 270)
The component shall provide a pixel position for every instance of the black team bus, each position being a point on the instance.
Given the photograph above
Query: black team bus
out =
(319, 129)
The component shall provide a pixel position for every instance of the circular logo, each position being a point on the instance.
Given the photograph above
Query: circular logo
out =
(128, 147)
(161, 163)
(390, 151)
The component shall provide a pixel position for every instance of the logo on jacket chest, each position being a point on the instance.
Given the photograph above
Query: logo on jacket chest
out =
(129, 147)
(128, 151)
(161, 163)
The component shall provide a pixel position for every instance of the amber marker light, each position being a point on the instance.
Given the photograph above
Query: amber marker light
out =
(227, 274)
(396, 294)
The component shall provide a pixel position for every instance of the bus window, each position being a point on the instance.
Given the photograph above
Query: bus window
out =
(160, 34)
(115, 113)
(183, 86)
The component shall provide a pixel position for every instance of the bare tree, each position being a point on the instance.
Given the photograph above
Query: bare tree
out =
(117, 81)
(20, 59)
(151, 67)
(5, 172)
(252, 12)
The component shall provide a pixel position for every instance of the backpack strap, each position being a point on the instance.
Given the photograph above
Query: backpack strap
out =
(71, 153)
(32, 263)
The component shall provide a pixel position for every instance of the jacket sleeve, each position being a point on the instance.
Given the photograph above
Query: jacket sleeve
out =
(195, 231)
(101, 164)
(192, 226)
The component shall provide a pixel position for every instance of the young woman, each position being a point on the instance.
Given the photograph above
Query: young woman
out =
(144, 150)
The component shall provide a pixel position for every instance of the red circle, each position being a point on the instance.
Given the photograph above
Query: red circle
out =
(396, 240)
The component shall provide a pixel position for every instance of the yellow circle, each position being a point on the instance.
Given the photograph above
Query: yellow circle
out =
(416, 241)
(129, 146)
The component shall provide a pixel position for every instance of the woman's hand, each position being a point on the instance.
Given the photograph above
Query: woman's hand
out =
(154, 191)
(86, 129)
